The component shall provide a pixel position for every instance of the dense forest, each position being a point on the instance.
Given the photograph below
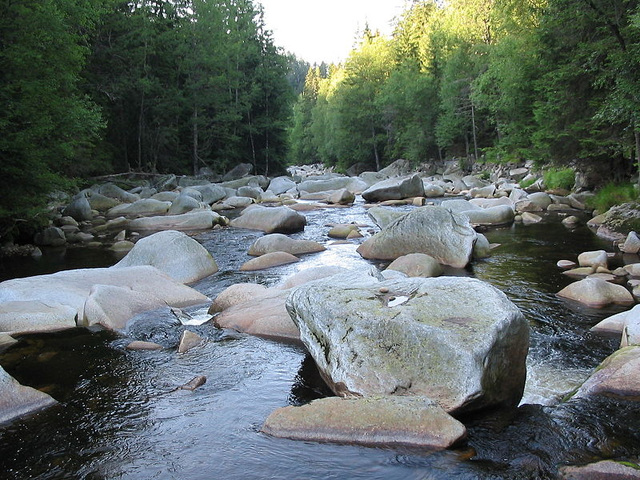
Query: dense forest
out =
(91, 87)
(492, 80)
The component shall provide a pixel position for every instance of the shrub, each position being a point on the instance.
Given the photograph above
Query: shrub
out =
(527, 183)
(556, 178)
(613, 194)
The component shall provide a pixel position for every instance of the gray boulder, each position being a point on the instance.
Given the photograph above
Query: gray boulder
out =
(277, 242)
(17, 400)
(395, 189)
(398, 168)
(280, 185)
(597, 293)
(432, 190)
(211, 193)
(35, 316)
(631, 243)
(383, 216)
(492, 215)
(146, 206)
(446, 236)
(238, 171)
(456, 340)
(268, 260)
(100, 202)
(250, 192)
(193, 220)
(270, 219)
(376, 421)
(183, 204)
(416, 265)
(113, 191)
(174, 253)
(50, 236)
(79, 208)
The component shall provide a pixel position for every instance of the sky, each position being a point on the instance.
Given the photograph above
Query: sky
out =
(325, 30)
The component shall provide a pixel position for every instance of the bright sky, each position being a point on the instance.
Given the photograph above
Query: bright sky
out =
(325, 30)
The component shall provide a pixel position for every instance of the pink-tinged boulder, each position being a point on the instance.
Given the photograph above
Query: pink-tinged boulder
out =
(615, 324)
(270, 219)
(268, 260)
(604, 470)
(235, 294)
(371, 421)
(616, 376)
(17, 400)
(597, 293)
(446, 236)
(277, 242)
(593, 259)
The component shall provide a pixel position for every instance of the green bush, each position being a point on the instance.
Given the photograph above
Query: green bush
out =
(613, 194)
(556, 178)
(527, 183)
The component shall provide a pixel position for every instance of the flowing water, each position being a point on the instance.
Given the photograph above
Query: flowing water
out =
(120, 415)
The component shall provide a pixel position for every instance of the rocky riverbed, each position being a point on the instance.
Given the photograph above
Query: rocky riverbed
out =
(409, 341)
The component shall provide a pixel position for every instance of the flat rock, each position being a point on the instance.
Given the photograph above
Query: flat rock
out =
(17, 400)
(174, 253)
(604, 470)
(145, 206)
(597, 293)
(372, 421)
(193, 220)
(268, 260)
(278, 242)
(270, 219)
(435, 231)
(143, 345)
(35, 316)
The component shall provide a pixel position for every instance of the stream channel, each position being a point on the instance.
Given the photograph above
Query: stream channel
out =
(120, 417)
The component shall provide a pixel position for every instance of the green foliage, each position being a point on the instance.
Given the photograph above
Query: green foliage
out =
(613, 194)
(527, 183)
(559, 178)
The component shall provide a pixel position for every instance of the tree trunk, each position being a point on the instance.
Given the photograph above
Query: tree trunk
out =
(637, 136)
(195, 141)
(375, 148)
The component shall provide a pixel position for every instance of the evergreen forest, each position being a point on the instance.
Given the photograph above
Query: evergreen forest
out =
(92, 87)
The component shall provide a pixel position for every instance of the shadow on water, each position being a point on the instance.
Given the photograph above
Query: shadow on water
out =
(120, 415)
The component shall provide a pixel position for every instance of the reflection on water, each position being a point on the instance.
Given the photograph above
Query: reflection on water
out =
(120, 415)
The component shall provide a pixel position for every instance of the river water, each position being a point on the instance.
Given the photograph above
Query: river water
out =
(120, 417)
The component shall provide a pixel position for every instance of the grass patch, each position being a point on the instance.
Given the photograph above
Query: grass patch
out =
(559, 178)
(613, 194)
(527, 183)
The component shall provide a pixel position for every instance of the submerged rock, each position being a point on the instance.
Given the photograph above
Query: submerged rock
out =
(375, 421)
(435, 231)
(456, 340)
(17, 400)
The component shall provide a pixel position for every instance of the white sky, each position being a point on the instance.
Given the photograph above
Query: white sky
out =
(325, 30)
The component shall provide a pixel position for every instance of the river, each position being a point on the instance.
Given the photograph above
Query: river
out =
(120, 417)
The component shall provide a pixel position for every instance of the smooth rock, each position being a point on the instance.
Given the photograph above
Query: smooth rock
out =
(143, 345)
(268, 260)
(446, 236)
(597, 293)
(280, 185)
(571, 221)
(193, 220)
(79, 208)
(265, 316)
(530, 218)
(603, 470)
(235, 294)
(565, 264)
(371, 421)
(189, 340)
(311, 274)
(432, 190)
(594, 259)
(112, 306)
(174, 253)
(616, 376)
(341, 197)
(113, 191)
(270, 219)
(146, 206)
(35, 316)
(342, 231)
(456, 340)
(6, 341)
(417, 265)
(633, 269)
(122, 246)
(18, 400)
(384, 216)
(183, 204)
(277, 242)
(395, 189)
(50, 236)
(631, 243)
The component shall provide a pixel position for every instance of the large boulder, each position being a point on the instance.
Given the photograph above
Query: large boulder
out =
(384, 216)
(174, 253)
(235, 294)
(182, 204)
(268, 260)
(270, 219)
(615, 324)
(616, 376)
(79, 208)
(377, 421)
(395, 189)
(446, 236)
(17, 400)
(493, 214)
(100, 202)
(35, 316)
(277, 242)
(72, 287)
(193, 220)
(315, 185)
(456, 340)
(114, 191)
(280, 185)
(239, 171)
(597, 293)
